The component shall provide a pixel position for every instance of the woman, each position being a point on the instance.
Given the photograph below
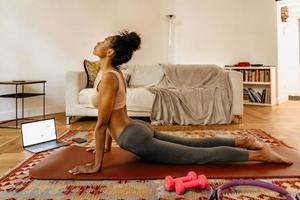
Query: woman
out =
(139, 137)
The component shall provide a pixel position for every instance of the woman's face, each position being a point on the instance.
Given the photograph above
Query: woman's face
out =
(101, 49)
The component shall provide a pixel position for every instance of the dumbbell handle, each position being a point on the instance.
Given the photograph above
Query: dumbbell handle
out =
(180, 186)
(192, 183)
(201, 182)
(184, 179)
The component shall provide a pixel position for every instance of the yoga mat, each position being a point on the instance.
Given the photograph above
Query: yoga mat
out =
(120, 164)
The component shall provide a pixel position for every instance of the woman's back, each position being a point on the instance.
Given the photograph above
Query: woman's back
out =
(119, 118)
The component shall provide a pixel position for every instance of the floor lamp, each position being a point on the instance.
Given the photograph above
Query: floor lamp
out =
(170, 19)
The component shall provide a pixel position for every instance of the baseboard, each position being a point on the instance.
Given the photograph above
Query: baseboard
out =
(30, 112)
(282, 99)
(294, 97)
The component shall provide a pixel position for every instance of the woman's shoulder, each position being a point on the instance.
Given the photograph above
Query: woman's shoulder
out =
(103, 77)
(111, 73)
(109, 77)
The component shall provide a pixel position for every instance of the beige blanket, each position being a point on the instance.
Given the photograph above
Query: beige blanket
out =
(192, 94)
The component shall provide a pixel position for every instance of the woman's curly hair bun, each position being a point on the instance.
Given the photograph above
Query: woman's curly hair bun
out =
(133, 39)
(124, 45)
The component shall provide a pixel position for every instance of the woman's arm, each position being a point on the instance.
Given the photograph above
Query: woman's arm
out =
(107, 93)
(108, 89)
(107, 142)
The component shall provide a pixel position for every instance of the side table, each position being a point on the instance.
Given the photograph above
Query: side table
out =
(21, 95)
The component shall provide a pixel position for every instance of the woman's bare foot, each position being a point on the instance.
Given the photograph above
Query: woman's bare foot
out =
(272, 156)
(267, 154)
(249, 142)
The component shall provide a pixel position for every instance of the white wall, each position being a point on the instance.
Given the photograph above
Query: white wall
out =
(44, 39)
(288, 51)
(225, 31)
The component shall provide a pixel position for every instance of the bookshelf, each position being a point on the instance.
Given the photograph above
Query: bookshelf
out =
(259, 84)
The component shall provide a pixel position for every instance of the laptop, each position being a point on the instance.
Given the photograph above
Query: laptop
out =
(38, 136)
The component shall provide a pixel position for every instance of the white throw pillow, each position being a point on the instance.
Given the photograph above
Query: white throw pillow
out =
(145, 75)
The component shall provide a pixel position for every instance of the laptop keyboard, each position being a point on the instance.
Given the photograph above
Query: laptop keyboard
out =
(46, 146)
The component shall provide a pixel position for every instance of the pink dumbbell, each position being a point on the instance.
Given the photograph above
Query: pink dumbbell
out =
(170, 181)
(180, 186)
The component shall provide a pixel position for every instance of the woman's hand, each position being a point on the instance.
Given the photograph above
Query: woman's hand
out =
(88, 168)
(92, 149)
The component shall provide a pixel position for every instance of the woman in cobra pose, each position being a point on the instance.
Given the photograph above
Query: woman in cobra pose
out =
(139, 137)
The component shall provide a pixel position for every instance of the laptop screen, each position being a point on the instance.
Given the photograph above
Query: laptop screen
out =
(38, 132)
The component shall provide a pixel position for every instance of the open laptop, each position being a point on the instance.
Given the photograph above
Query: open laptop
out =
(38, 136)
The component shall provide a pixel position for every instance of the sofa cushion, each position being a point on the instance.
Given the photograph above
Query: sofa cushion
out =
(139, 99)
(143, 75)
(85, 97)
(91, 68)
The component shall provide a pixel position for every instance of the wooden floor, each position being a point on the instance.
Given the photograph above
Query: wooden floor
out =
(281, 121)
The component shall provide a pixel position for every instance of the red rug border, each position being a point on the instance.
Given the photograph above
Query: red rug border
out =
(265, 133)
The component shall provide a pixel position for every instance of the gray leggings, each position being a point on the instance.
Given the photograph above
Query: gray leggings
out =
(141, 139)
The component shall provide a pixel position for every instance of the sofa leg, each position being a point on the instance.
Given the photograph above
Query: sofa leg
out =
(237, 119)
(68, 120)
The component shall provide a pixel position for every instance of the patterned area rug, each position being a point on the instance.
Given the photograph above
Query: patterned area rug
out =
(18, 185)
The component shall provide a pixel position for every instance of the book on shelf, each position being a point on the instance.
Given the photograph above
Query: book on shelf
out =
(268, 95)
(255, 75)
(257, 97)
(251, 97)
(267, 76)
(246, 96)
(261, 75)
(263, 96)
